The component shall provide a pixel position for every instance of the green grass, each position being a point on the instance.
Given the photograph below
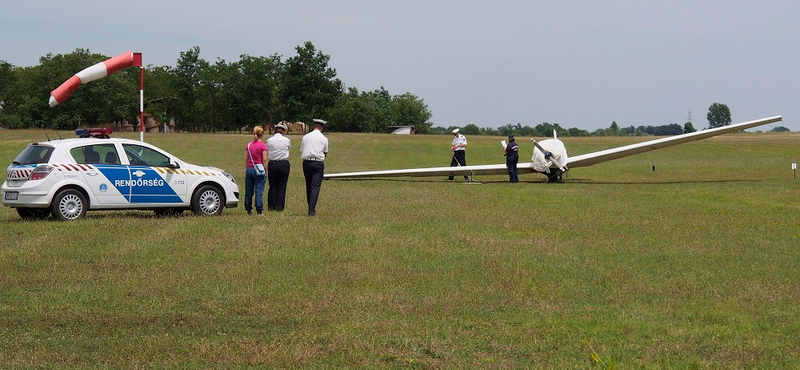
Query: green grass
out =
(694, 265)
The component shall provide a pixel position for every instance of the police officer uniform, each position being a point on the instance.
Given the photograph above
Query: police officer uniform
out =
(313, 150)
(278, 168)
(512, 158)
(459, 149)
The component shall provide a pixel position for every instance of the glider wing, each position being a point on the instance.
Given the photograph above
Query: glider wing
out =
(487, 169)
(628, 150)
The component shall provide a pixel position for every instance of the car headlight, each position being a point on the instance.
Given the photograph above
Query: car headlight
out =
(229, 176)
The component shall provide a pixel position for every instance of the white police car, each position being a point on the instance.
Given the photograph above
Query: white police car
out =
(65, 178)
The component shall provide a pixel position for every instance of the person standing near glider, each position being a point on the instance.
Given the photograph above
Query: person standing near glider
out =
(459, 149)
(278, 168)
(512, 157)
(313, 151)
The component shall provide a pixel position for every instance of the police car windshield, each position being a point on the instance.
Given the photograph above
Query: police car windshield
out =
(34, 154)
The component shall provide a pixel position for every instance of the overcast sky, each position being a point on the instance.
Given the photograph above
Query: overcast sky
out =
(577, 63)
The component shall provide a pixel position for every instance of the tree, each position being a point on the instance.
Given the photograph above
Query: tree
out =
(506, 130)
(780, 129)
(257, 82)
(345, 114)
(525, 130)
(471, 129)
(546, 129)
(374, 111)
(688, 127)
(187, 80)
(666, 130)
(577, 132)
(310, 88)
(161, 96)
(7, 79)
(8, 82)
(367, 111)
(718, 115)
(409, 110)
(203, 96)
(215, 106)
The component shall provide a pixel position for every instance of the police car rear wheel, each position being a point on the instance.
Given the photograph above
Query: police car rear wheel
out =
(68, 204)
(207, 201)
(33, 213)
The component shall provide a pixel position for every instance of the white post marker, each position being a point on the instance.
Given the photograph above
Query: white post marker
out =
(794, 171)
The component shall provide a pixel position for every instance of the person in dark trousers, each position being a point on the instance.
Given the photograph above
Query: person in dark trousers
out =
(313, 151)
(278, 168)
(512, 158)
(459, 150)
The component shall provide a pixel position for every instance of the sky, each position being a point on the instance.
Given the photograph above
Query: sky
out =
(490, 63)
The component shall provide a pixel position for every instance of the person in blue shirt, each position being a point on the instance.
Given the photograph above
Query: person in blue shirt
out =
(512, 158)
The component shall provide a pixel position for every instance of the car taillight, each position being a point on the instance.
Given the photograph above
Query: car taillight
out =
(41, 172)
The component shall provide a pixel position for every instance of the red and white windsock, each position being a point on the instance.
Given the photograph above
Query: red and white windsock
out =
(99, 70)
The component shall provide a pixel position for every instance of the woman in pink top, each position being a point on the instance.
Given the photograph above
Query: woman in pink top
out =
(255, 153)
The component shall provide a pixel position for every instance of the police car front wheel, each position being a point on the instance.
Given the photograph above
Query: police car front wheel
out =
(68, 204)
(208, 200)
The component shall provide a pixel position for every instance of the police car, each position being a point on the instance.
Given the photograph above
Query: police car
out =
(65, 178)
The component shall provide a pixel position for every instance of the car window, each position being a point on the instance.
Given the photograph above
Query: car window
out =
(34, 154)
(143, 156)
(95, 154)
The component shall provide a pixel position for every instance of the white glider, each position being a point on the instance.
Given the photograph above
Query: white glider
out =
(550, 156)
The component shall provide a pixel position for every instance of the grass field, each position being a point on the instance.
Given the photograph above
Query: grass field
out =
(692, 266)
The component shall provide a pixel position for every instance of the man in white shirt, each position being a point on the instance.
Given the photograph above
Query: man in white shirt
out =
(313, 151)
(278, 168)
(459, 149)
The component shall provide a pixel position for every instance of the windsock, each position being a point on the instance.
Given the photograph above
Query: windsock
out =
(97, 71)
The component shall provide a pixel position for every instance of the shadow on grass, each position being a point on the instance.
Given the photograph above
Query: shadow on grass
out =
(113, 214)
(431, 181)
(592, 182)
(544, 181)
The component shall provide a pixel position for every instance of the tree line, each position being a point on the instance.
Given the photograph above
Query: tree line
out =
(235, 96)
(546, 129)
(718, 115)
(203, 96)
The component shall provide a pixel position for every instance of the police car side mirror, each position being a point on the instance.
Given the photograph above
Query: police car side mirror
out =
(173, 164)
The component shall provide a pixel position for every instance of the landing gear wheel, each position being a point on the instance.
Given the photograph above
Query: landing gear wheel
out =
(555, 176)
(68, 204)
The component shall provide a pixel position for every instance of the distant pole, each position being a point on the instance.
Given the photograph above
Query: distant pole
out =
(794, 171)
(653, 153)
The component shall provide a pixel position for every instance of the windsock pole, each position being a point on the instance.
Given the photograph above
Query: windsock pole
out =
(137, 61)
(141, 103)
(100, 70)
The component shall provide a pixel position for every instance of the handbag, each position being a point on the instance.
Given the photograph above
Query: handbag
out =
(260, 169)
(258, 166)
